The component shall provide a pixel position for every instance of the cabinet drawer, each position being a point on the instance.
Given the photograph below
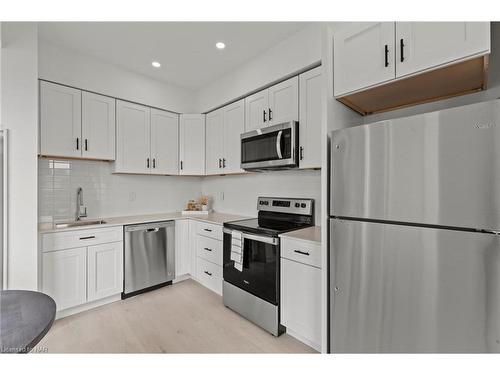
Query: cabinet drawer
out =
(78, 238)
(301, 251)
(209, 249)
(209, 275)
(210, 230)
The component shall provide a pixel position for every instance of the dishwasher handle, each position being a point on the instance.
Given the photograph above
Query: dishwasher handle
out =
(149, 227)
(152, 229)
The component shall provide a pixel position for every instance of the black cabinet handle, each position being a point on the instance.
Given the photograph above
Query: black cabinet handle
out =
(207, 249)
(223, 162)
(386, 55)
(220, 163)
(207, 230)
(147, 163)
(87, 238)
(154, 162)
(301, 153)
(402, 47)
(208, 273)
(181, 165)
(301, 252)
(78, 143)
(270, 114)
(86, 144)
(264, 111)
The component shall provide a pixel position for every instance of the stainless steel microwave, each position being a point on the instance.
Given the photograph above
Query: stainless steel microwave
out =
(272, 147)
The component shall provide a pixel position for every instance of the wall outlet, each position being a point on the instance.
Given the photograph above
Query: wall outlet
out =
(222, 196)
(132, 196)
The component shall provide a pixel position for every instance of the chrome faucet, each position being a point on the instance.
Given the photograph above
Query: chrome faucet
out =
(81, 210)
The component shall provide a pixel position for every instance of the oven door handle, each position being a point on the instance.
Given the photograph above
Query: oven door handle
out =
(278, 144)
(253, 237)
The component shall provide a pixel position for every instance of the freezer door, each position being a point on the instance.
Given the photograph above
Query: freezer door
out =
(439, 168)
(411, 289)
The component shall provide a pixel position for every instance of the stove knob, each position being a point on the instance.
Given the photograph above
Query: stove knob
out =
(297, 205)
(303, 205)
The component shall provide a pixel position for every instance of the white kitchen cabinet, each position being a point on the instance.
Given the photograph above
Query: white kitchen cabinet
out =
(310, 118)
(214, 142)
(60, 120)
(234, 126)
(425, 45)
(105, 270)
(256, 106)
(164, 142)
(223, 145)
(363, 56)
(301, 301)
(98, 126)
(64, 276)
(182, 248)
(132, 138)
(284, 102)
(192, 144)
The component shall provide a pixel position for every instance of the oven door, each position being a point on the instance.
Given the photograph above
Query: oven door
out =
(270, 147)
(258, 271)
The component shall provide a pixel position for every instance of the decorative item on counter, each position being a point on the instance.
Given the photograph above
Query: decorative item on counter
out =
(204, 200)
(199, 207)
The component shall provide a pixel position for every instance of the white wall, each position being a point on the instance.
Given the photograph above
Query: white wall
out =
(19, 94)
(238, 194)
(74, 69)
(106, 194)
(297, 52)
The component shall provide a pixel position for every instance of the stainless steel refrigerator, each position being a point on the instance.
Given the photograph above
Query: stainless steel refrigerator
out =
(414, 234)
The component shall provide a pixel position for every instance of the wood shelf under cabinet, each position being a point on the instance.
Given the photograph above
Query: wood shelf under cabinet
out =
(452, 80)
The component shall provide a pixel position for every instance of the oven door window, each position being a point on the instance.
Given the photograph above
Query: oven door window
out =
(260, 272)
(270, 146)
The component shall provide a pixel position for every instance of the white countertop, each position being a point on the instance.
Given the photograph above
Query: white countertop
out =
(310, 234)
(213, 217)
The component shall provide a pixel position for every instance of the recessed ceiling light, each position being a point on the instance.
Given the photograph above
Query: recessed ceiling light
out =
(156, 64)
(220, 45)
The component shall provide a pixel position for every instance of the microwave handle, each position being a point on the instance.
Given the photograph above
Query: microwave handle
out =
(278, 144)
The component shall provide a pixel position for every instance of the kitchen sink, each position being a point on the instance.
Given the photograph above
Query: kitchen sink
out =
(79, 223)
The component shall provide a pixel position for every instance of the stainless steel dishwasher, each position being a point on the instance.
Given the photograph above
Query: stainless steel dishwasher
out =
(149, 258)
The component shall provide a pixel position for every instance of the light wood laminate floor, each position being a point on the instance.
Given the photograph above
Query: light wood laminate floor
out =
(181, 318)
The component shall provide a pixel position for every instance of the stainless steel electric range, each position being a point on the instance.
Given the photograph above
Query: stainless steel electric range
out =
(252, 258)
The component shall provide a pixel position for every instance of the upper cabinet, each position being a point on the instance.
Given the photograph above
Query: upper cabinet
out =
(75, 123)
(310, 119)
(192, 144)
(274, 105)
(164, 142)
(98, 126)
(363, 56)
(381, 66)
(146, 140)
(224, 127)
(60, 120)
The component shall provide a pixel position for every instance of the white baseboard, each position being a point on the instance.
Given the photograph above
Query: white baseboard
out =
(316, 346)
(87, 306)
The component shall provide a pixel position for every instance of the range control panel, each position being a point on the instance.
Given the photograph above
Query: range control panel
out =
(286, 205)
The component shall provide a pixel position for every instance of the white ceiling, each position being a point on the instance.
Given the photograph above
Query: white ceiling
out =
(186, 50)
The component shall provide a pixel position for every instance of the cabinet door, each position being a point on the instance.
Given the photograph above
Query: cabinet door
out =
(132, 138)
(215, 142)
(363, 56)
(64, 277)
(164, 142)
(60, 120)
(234, 125)
(425, 45)
(192, 145)
(98, 126)
(182, 250)
(284, 101)
(301, 300)
(104, 270)
(310, 119)
(256, 107)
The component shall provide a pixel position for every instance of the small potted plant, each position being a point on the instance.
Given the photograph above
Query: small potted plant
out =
(204, 202)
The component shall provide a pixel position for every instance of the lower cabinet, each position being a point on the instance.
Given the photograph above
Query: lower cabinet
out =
(301, 297)
(208, 254)
(64, 277)
(182, 248)
(104, 270)
(209, 275)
